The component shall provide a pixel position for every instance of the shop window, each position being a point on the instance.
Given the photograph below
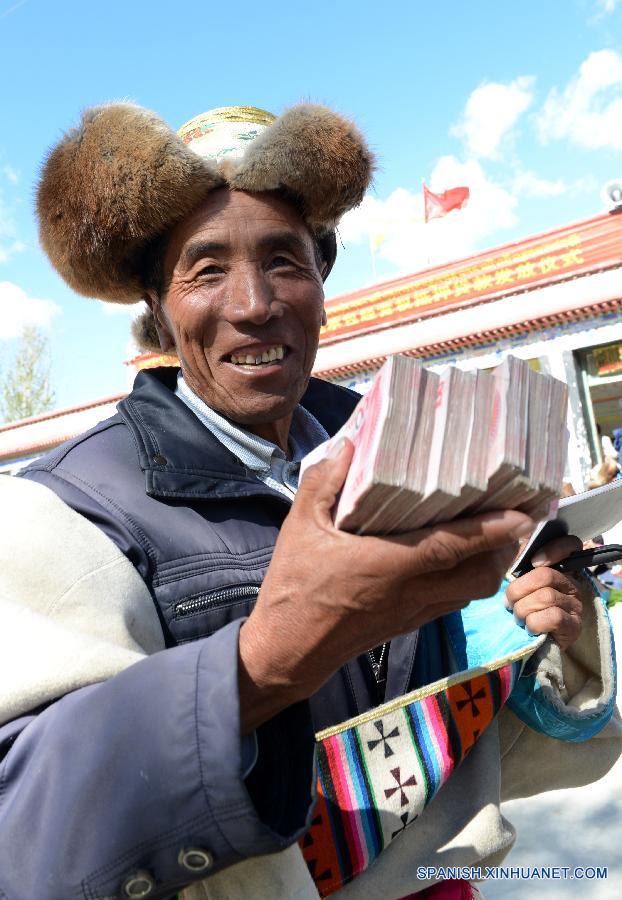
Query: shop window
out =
(601, 388)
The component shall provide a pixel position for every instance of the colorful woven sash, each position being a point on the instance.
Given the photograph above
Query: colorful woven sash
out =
(377, 772)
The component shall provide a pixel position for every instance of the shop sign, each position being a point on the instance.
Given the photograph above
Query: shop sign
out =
(608, 359)
(558, 255)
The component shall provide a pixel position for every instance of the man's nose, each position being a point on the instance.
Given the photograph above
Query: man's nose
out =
(252, 298)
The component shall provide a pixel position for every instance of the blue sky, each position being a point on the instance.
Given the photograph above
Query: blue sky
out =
(521, 102)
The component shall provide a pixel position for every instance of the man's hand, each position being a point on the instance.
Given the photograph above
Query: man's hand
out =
(547, 601)
(328, 595)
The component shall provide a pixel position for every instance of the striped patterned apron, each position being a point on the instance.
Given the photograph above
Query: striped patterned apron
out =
(378, 771)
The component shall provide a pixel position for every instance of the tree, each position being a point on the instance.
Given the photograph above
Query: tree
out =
(26, 386)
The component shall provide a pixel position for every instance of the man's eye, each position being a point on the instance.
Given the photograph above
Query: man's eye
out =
(210, 270)
(278, 261)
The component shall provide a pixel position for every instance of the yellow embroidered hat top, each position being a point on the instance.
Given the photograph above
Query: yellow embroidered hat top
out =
(224, 132)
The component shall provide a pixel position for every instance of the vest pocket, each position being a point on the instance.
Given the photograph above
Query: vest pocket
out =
(201, 614)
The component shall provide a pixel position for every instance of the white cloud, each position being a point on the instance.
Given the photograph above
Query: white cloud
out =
(11, 174)
(588, 111)
(130, 310)
(18, 309)
(377, 219)
(396, 225)
(7, 250)
(12, 9)
(490, 112)
(9, 244)
(604, 8)
(528, 184)
(7, 228)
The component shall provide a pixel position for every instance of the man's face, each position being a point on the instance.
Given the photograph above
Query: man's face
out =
(243, 306)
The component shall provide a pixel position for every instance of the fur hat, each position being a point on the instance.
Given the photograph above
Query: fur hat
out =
(123, 178)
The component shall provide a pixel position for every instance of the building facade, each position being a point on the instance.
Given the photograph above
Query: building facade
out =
(554, 299)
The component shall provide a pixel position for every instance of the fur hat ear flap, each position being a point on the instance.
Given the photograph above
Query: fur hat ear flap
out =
(110, 186)
(145, 333)
(316, 154)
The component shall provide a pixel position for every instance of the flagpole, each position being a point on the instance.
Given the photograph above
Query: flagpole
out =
(425, 222)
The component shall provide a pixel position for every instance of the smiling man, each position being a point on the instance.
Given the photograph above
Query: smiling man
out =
(242, 306)
(179, 526)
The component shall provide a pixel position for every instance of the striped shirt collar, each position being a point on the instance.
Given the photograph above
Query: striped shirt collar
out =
(254, 452)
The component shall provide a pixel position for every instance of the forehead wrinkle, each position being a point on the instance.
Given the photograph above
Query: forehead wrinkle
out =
(199, 248)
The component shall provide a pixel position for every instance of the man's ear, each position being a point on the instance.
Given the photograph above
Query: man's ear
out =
(167, 341)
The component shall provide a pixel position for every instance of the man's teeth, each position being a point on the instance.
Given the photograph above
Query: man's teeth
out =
(268, 356)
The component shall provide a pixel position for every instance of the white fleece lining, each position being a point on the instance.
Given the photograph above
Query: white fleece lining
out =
(570, 681)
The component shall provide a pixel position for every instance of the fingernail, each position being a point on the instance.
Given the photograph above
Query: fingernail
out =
(539, 558)
(335, 449)
(506, 602)
(523, 529)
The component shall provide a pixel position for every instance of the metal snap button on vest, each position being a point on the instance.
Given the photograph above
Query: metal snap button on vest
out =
(160, 460)
(138, 885)
(195, 859)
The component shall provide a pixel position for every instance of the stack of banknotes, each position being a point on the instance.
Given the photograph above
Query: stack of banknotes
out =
(429, 447)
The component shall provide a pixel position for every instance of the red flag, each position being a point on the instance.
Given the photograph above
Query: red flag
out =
(438, 205)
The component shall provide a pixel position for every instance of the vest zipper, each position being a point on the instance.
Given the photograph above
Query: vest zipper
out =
(206, 601)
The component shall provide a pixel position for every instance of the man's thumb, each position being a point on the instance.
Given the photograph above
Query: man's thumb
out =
(322, 482)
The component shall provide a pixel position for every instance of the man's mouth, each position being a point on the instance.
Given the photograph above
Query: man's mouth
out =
(265, 358)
